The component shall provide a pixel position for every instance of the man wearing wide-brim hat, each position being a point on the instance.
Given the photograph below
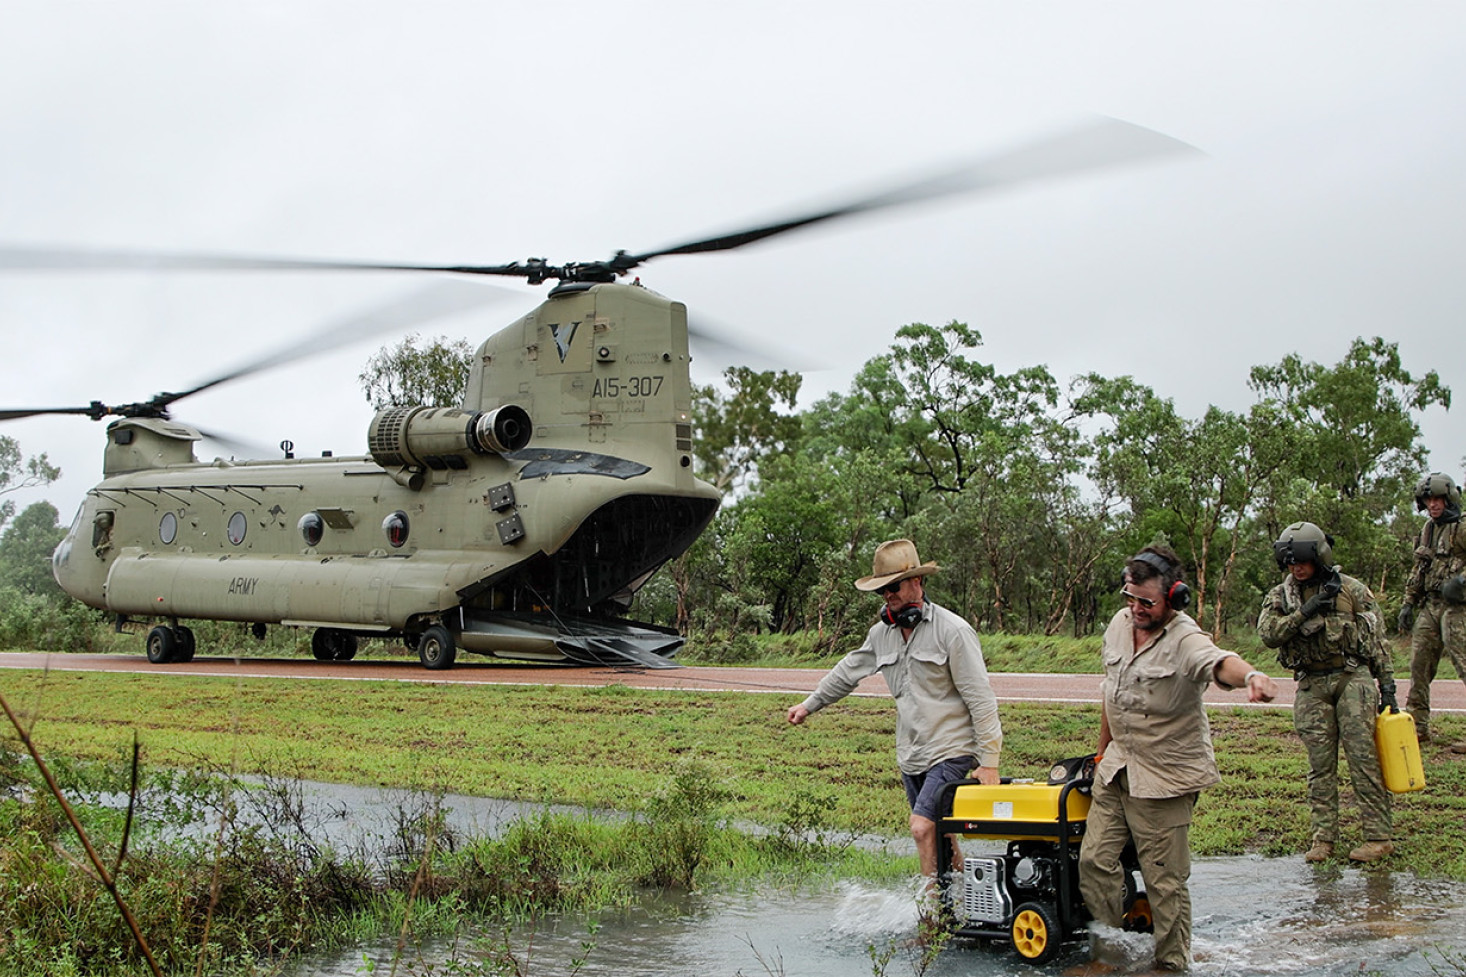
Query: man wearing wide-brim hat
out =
(946, 713)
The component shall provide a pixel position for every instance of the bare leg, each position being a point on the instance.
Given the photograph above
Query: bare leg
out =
(924, 832)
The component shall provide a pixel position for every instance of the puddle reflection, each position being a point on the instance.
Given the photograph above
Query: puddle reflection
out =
(1252, 916)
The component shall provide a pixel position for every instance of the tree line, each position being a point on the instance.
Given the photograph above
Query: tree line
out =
(1029, 492)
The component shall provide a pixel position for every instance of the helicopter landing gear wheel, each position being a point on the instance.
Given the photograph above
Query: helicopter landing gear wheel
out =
(1035, 932)
(162, 645)
(333, 645)
(184, 644)
(435, 649)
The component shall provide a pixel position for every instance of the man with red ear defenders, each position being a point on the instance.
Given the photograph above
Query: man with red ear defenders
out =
(946, 713)
(1155, 749)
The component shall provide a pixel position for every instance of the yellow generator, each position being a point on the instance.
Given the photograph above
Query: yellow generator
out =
(1028, 895)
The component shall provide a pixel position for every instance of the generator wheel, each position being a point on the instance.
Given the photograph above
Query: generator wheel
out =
(1035, 932)
(1138, 917)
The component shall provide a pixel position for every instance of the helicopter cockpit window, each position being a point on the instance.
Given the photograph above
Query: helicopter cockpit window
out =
(102, 528)
(312, 527)
(238, 525)
(168, 528)
(395, 526)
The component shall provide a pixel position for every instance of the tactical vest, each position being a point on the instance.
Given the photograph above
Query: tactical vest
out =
(1334, 639)
(1435, 550)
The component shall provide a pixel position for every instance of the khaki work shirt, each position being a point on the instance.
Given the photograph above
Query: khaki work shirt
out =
(1152, 698)
(945, 707)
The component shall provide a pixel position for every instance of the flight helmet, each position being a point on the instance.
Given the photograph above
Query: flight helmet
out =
(1437, 484)
(1303, 542)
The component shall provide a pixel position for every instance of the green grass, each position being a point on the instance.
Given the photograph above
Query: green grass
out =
(1024, 653)
(616, 748)
(238, 895)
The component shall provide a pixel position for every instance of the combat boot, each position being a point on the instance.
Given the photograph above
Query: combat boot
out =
(1371, 851)
(1321, 851)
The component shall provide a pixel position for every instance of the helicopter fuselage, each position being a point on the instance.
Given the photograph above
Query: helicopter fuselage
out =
(557, 488)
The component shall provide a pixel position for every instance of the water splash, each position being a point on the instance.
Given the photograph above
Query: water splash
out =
(868, 911)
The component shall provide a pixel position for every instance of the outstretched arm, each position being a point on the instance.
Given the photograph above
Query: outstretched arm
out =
(1235, 673)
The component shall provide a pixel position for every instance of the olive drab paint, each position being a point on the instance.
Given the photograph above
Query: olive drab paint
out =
(554, 491)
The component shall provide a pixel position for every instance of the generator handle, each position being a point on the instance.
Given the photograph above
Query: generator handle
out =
(1068, 913)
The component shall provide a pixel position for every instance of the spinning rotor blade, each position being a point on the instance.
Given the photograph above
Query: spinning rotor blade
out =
(238, 447)
(82, 259)
(17, 413)
(1107, 142)
(424, 305)
(717, 342)
(431, 302)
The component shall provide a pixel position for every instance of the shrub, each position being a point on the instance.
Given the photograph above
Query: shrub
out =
(48, 622)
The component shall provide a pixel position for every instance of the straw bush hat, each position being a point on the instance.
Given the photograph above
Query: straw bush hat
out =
(894, 561)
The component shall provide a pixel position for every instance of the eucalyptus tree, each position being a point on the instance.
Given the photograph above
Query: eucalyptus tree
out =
(1357, 445)
(977, 459)
(432, 373)
(752, 421)
(1195, 481)
(18, 472)
(25, 551)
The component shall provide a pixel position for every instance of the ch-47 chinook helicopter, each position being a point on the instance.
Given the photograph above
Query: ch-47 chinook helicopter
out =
(519, 523)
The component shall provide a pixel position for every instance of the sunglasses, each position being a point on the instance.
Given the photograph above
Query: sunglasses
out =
(890, 588)
(1130, 598)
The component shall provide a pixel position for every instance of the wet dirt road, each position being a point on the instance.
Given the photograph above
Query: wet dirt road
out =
(1447, 695)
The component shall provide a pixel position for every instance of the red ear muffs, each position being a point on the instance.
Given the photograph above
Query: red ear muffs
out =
(908, 616)
(1178, 596)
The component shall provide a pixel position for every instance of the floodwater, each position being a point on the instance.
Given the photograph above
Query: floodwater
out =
(1252, 915)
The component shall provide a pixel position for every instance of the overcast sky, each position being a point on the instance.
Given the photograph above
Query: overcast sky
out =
(1329, 203)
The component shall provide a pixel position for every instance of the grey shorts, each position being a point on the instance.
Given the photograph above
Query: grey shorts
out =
(923, 789)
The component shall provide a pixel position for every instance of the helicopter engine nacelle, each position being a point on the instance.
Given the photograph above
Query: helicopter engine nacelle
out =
(443, 438)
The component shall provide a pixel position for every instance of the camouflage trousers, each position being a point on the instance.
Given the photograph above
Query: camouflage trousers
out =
(1439, 628)
(1337, 710)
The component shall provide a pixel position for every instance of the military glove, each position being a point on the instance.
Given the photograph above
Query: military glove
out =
(1454, 589)
(1332, 585)
(1387, 696)
(1407, 618)
(1318, 603)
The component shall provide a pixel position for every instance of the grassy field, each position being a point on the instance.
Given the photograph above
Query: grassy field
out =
(615, 747)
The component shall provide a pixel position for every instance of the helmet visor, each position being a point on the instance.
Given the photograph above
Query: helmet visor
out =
(1290, 551)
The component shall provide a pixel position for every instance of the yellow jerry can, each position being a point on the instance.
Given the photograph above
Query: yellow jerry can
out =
(1399, 751)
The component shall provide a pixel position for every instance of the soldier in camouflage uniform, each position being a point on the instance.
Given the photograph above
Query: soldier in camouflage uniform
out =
(1327, 629)
(1435, 597)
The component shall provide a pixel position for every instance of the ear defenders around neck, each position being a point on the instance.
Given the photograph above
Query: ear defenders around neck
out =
(907, 616)
(1178, 598)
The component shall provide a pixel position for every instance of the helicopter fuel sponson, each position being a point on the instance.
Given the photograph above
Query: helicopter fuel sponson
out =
(519, 524)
